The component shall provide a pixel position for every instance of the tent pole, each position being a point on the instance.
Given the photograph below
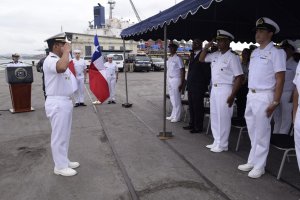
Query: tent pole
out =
(125, 105)
(164, 134)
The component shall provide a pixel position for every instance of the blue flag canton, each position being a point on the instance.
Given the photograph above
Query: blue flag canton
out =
(97, 53)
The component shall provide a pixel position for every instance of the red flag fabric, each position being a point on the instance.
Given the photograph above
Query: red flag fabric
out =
(72, 67)
(98, 83)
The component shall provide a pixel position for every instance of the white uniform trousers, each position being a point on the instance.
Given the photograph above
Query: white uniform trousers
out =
(297, 135)
(175, 97)
(283, 114)
(79, 94)
(59, 110)
(111, 80)
(259, 127)
(220, 114)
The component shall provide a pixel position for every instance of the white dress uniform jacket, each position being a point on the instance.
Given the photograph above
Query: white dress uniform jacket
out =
(17, 64)
(264, 63)
(80, 66)
(59, 107)
(224, 68)
(174, 66)
(297, 118)
(283, 113)
(111, 70)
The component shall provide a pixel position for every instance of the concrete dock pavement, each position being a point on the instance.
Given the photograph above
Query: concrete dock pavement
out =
(120, 155)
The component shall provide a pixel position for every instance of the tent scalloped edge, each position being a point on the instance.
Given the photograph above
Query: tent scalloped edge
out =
(168, 22)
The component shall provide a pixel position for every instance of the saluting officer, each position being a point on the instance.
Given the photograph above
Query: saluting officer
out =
(15, 61)
(266, 78)
(80, 70)
(175, 78)
(283, 113)
(227, 77)
(111, 77)
(60, 85)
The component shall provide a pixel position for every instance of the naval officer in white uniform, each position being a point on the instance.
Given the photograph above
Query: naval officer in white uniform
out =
(227, 77)
(283, 113)
(15, 61)
(175, 79)
(60, 84)
(80, 70)
(266, 78)
(296, 113)
(111, 77)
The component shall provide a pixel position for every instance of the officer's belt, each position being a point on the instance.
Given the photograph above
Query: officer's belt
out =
(260, 91)
(59, 97)
(221, 84)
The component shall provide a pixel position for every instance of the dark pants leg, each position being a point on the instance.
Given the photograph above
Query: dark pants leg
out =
(241, 100)
(196, 107)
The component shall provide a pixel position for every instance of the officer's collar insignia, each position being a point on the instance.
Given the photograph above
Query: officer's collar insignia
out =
(260, 21)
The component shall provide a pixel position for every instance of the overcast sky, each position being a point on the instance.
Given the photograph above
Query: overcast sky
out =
(25, 24)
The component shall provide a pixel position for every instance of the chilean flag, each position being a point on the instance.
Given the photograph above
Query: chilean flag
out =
(98, 83)
(72, 69)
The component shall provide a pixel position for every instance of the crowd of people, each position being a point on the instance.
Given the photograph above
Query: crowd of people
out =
(261, 83)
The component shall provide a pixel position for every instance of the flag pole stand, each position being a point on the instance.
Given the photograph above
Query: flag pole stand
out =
(165, 135)
(125, 105)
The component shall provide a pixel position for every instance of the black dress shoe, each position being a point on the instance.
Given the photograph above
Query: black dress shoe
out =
(188, 128)
(195, 131)
(76, 105)
(113, 102)
(109, 102)
(82, 104)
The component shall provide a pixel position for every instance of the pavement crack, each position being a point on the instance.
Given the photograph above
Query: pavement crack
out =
(155, 187)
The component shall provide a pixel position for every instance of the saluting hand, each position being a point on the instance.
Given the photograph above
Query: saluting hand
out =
(67, 48)
(208, 45)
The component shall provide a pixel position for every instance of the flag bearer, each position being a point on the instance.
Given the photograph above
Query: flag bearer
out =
(111, 77)
(59, 85)
(80, 69)
(227, 77)
(266, 78)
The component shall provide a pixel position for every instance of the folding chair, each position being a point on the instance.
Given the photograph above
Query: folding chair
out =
(284, 143)
(239, 123)
(207, 114)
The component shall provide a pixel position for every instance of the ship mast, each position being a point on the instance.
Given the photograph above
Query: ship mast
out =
(112, 4)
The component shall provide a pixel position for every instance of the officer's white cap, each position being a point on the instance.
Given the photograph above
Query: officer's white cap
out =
(109, 56)
(77, 51)
(286, 43)
(174, 44)
(15, 55)
(267, 24)
(61, 37)
(221, 34)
